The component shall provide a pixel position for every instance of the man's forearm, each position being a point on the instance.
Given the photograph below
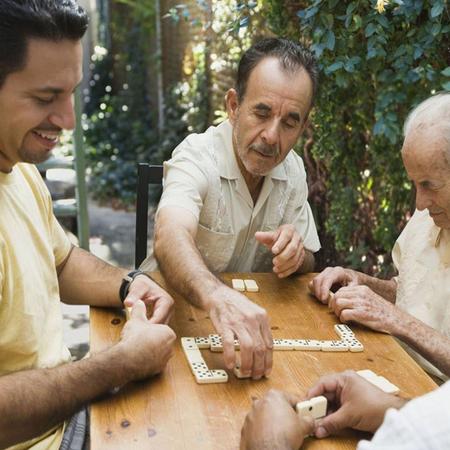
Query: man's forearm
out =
(88, 280)
(429, 343)
(182, 265)
(385, 288)
(33, 401)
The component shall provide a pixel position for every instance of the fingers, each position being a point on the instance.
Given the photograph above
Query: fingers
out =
(306, 426)
(162, 310)
(253, 354)
(255, 351)
(267, 238)
(139, 311)
(286, 234)
(328, 386)
(268, 341)
(322, 283)
(332, 423)
(290, 259)
(229, 354)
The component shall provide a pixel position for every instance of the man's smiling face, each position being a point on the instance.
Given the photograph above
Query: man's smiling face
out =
(36, 103)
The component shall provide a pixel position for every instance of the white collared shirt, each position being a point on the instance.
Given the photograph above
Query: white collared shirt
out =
(422, 424)
(203, 178)
(422, 257)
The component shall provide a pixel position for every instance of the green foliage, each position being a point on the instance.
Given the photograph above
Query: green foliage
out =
(119, 123)
(374, 68)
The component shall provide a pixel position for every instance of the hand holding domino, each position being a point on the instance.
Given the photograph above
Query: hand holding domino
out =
(355, 403)
(273, 423)
(321, 285)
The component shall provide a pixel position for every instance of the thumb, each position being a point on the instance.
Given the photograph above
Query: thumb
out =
(266, 238)
(306, 426)
(139, 310)
(331, 424)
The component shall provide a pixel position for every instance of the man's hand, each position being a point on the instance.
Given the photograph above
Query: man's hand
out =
(354, 403)
(273, 423)
(287, 247)
(235, 316)
(321, 285)
(360, 304)
(147, 347)
(145, 289)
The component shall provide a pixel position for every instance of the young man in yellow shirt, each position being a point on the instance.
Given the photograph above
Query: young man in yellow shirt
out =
(40, 389)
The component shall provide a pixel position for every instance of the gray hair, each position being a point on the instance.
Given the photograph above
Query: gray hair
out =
(433, 111)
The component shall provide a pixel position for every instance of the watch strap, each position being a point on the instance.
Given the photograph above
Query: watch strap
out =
(126, 282)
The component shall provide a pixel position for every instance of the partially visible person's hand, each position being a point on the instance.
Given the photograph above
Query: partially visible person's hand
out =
(321, 285)
(235, 316)
(287, 247)
(146, 347)
(145, 289)
(273, 423)
(360, 304)
(353, 402)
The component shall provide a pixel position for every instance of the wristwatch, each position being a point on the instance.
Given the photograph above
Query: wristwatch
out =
(126, 282)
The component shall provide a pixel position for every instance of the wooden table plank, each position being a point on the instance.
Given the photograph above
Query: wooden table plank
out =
(171, 411)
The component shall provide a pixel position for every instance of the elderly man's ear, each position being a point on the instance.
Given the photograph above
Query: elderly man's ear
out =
(232, 104)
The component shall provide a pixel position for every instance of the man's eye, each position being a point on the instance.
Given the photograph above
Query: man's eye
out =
(289, 124)
(43, 101)
(261, 114)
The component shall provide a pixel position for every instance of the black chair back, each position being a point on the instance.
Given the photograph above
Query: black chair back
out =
(147, 174)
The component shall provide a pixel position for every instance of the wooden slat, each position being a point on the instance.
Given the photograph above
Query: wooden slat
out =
(172, 412)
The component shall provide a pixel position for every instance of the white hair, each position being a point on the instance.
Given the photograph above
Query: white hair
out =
(434, 111)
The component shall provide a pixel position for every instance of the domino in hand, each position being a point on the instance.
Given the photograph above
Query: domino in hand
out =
(315, 408)
(127, 310)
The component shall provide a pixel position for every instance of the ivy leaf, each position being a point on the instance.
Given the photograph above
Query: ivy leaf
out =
(418, 52)
(336, 66)
(435, 29)
(370, 29)
(437, 9)
(357, 22)
(350, 8)
(310, 12)
(446, 85)
(330, 40)
(317, 49)
(446, 72)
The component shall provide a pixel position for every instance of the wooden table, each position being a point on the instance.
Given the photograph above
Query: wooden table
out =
(172, 412)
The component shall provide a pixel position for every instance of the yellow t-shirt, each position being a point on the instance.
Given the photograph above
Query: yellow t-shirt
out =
(32, 244)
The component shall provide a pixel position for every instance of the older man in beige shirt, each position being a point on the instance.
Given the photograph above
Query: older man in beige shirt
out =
(235, 199)
(415, 306)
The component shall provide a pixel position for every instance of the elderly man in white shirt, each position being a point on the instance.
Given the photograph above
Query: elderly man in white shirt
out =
(414, 306)
(235, 199)
(421, 424)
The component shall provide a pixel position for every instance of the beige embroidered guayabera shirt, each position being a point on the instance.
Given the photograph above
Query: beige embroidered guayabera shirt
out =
(204, 179)
(422, 257)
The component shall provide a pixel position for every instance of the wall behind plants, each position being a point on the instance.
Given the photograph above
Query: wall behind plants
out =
(377, 60)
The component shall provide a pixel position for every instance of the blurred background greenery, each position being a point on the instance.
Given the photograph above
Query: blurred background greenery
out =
(160, 70)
